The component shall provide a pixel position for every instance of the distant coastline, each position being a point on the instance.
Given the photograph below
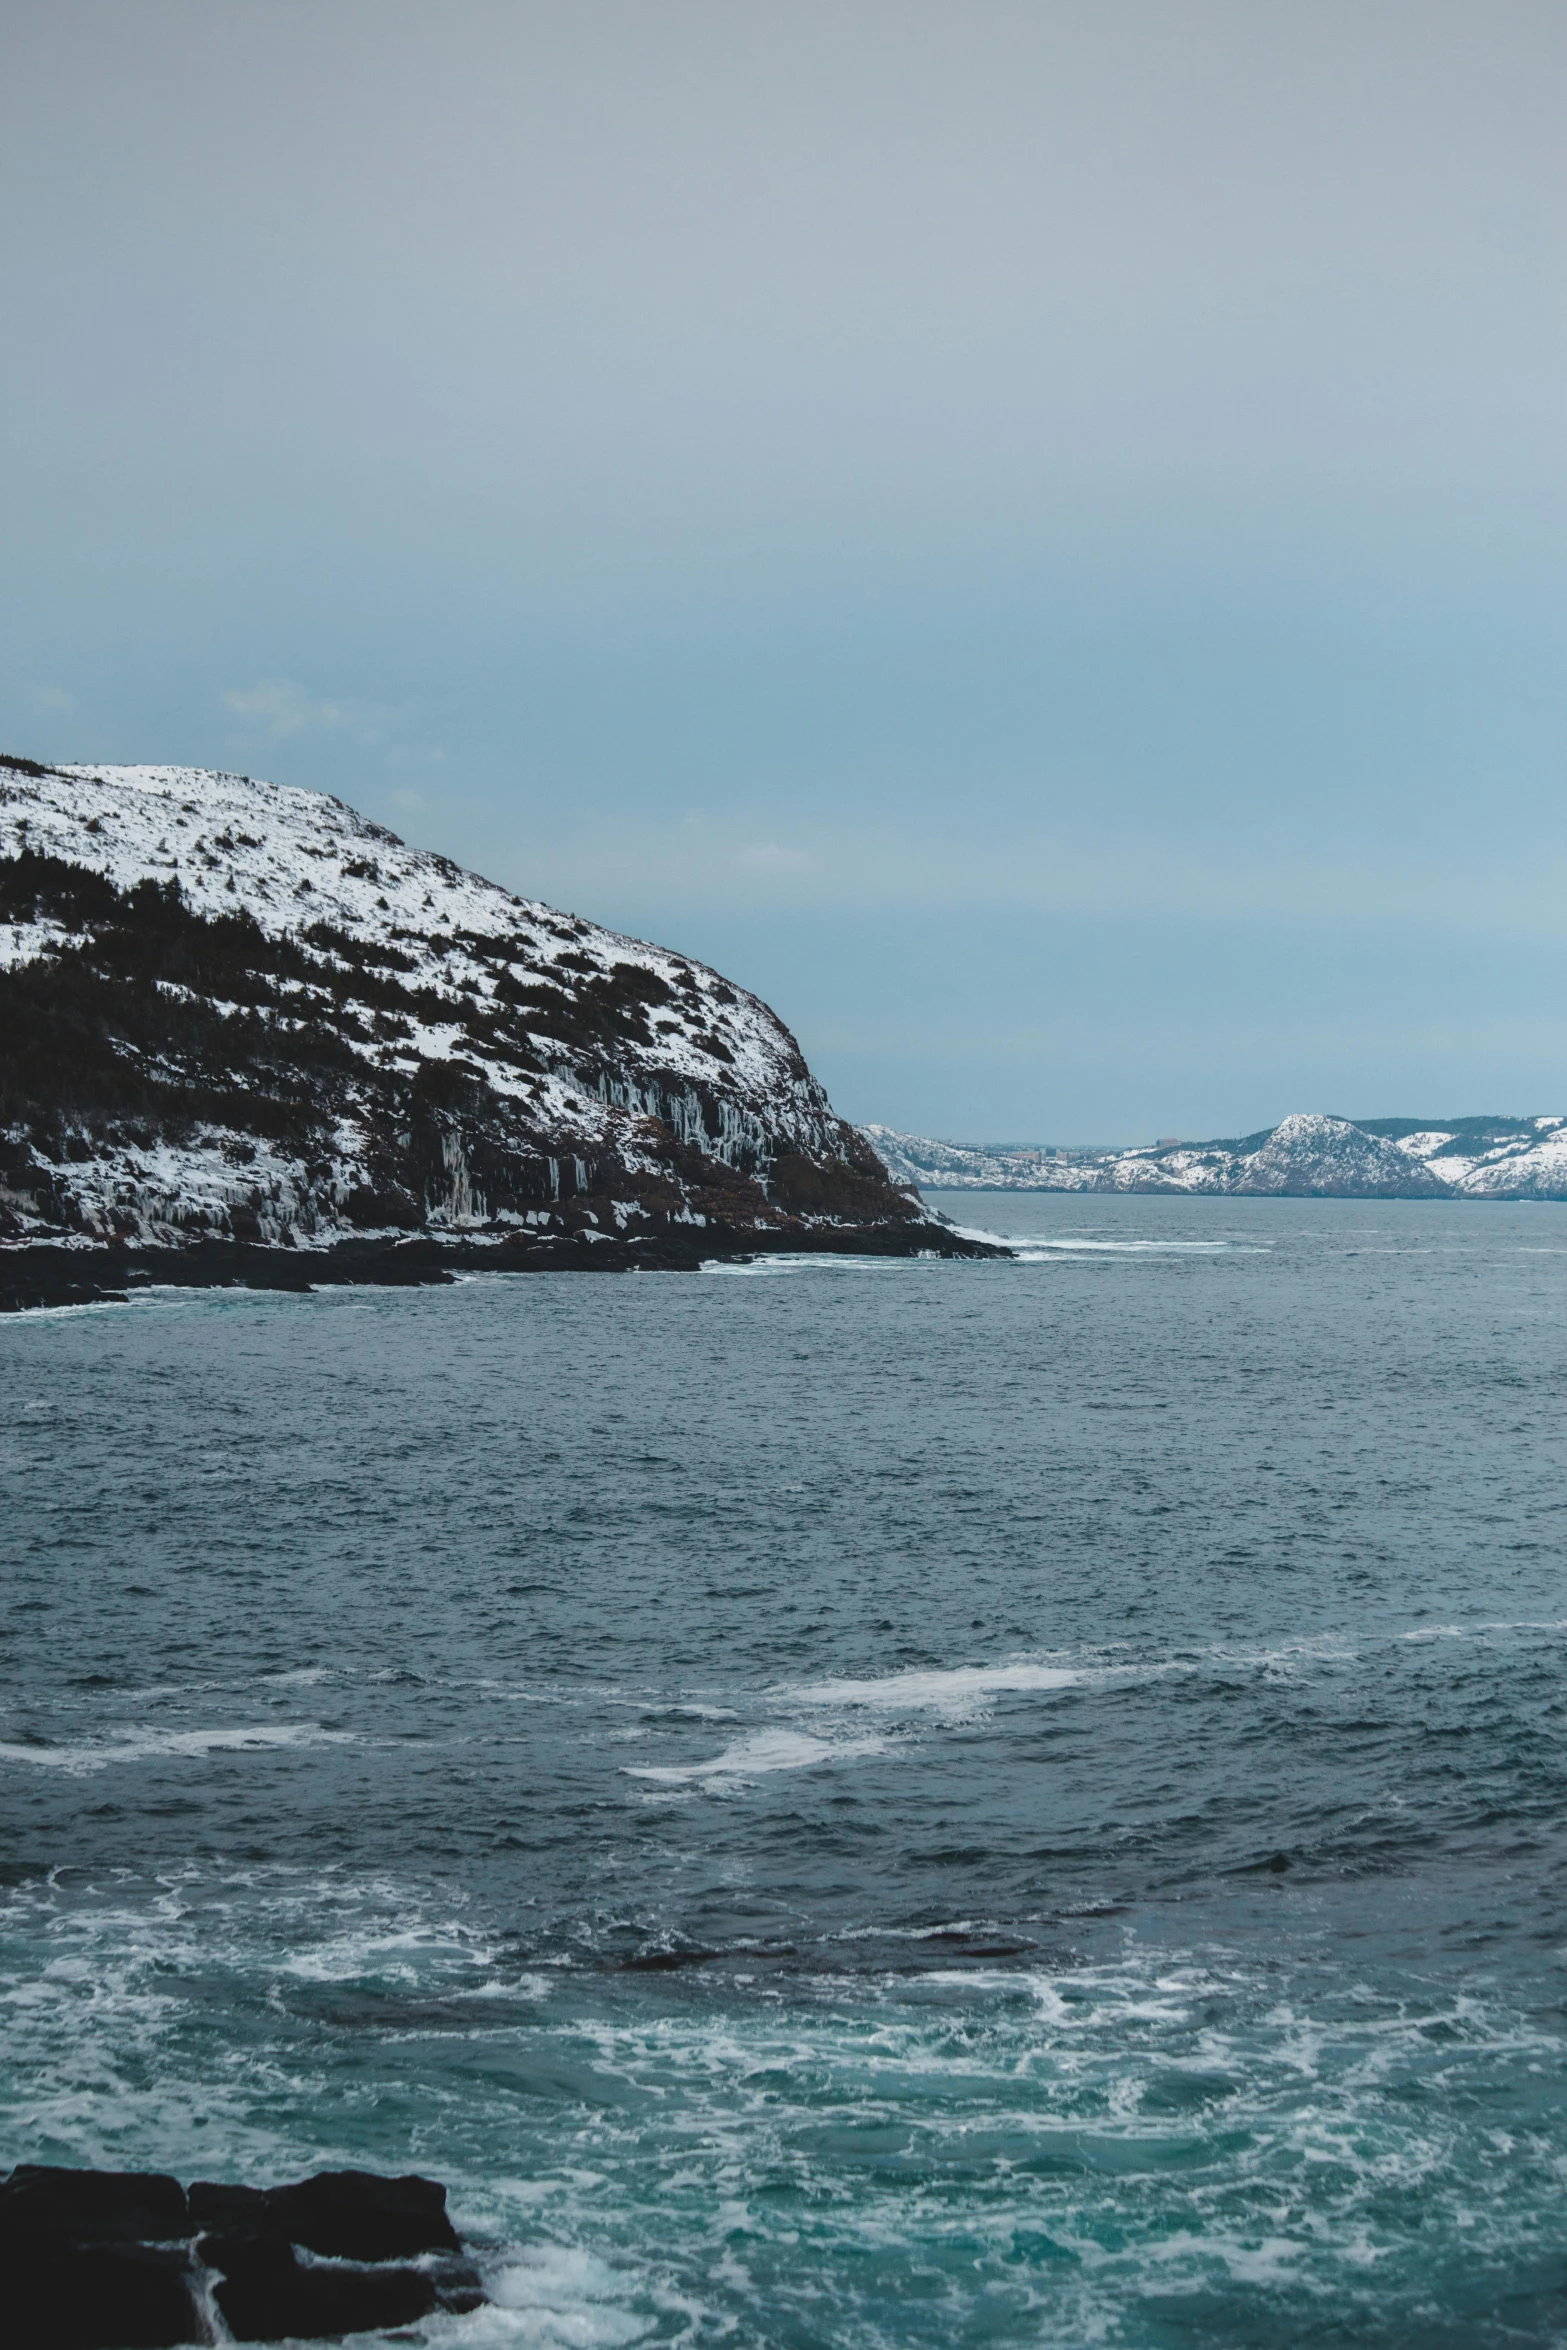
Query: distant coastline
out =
(1306, 1156)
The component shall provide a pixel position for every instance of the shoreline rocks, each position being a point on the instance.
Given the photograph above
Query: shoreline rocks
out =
(56, 1273)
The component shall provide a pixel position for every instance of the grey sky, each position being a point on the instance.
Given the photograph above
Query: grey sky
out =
(1032, 535)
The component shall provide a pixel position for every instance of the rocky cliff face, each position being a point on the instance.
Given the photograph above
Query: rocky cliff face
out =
(234, 1011)
(1306, 1156)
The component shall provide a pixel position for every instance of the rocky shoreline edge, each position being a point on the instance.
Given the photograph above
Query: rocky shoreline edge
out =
(133, 2260)
(39, 1274)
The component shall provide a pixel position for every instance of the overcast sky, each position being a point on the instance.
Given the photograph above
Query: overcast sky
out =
(1033, 535)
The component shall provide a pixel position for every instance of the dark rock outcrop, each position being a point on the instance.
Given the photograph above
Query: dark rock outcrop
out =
(126, 2260)
(267, 2294)
(47, 1274)
(96, 2257)
(340, 2214)
(56, 2206)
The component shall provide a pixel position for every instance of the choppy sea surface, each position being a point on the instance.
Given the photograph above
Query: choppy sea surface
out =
(838, 1804)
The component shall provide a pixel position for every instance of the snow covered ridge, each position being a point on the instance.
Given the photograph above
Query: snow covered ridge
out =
(238, 1010)
(1306, 1156)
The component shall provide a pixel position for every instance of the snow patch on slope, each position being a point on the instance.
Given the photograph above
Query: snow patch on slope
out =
(292, 858)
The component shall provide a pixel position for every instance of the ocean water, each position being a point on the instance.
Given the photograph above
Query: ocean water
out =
(836, 1804)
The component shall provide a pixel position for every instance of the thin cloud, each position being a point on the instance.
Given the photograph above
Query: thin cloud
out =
(285, 709)
(768, 857)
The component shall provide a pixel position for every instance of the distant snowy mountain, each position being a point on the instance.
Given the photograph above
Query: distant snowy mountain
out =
(235, 1011)
(1306, 1156)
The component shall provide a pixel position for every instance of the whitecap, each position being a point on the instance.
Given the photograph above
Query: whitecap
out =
(804, 1261)
(509, 1987)
(953, 1690)
(762, 1751)
(567, 2296)
(387, 1951)
(141, 1745)
(1035, 1248)
(1427, 1632)
(1038, 1249)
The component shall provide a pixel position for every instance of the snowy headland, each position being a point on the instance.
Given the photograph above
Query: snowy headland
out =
(250, 1034)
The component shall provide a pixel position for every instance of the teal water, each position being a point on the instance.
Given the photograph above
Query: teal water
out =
(834, 1804)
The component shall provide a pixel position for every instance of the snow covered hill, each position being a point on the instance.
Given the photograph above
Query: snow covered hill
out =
(1305, 1156)
(236, 1010)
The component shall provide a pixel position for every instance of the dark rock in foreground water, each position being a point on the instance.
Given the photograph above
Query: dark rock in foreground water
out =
(52, 2206)
(268, 2294)
(341, 2214)
(126, 2260)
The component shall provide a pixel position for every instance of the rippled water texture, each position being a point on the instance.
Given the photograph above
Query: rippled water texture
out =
(839, 1805)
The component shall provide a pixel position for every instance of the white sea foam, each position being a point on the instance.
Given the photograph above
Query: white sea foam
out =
(957, 1693)
(756, 1754)
(142, 1744)
(805, 1261)
(958, 1689)
(1426, 1632)
(509, 1987)
(566, 2296)
(388, 1951)
(1036, 1250)
(1036, 1247)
